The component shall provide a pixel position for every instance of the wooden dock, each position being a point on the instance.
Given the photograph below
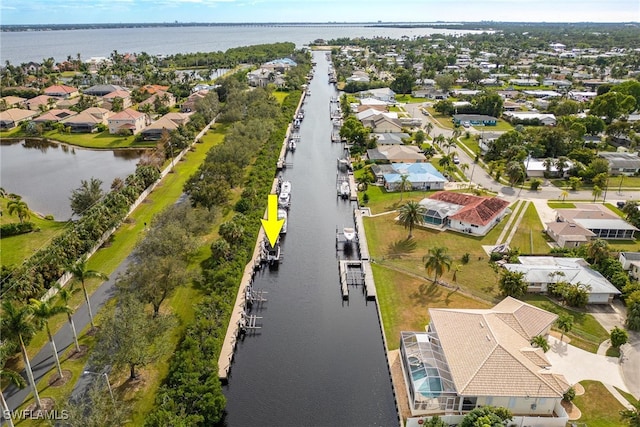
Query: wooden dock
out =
(362, 238)
(354, 273)
(352, 187)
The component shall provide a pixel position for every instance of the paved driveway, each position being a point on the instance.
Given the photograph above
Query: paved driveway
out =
(577, 365)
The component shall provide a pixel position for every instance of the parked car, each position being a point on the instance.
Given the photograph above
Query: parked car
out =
(456, 160)
(620, 205)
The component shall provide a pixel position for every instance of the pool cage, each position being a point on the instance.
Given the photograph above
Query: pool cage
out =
(430, 387)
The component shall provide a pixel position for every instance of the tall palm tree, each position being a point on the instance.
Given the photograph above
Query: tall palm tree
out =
(65, 294)
(439, 139)
(561, 165)
(596, 192)
(450, 143)
(436, 261)
(565, 324)
(12, 377)
(564, 195)
(411, 213)
(405, 184)
(632, 416)
(428, 127)
(598, 250)
(43, 311)
(17, 323)
(81, 273)
(456, 133)
(20, 208)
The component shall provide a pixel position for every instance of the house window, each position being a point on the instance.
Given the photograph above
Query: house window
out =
(469, 403)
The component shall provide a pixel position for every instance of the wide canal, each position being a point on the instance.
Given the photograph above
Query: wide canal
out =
(318, 360)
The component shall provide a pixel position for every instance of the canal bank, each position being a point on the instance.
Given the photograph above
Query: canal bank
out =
(318, 360)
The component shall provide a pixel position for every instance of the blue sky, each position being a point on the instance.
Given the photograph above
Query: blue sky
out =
(114, 11)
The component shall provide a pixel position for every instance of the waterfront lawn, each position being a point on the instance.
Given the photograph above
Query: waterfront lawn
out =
(389, 247)
(586, 334)
(530, 237)
(100, 140)
(380, 200)
(16, 248)
(599, 408)
(405, 299)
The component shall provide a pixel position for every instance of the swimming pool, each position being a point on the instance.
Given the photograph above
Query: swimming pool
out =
(425, 379)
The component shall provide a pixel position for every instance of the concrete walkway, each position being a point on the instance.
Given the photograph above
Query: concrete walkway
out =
(579, 365)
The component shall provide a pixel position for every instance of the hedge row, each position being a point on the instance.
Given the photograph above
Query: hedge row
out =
(15, 228)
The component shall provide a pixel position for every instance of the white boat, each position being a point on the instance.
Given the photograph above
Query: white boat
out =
(349, 233)
(285, 187)
(272, 253)
(284, 199)
(292, 145)
(282, 214)
(345, 191)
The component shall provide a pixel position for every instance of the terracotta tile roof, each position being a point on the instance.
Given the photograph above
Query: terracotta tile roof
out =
(488, 356)
(477, 210)
(154, 88)
(118, 94)
(127, 114)
(60, 89)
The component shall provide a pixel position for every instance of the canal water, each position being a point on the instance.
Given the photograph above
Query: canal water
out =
(45, 174)
(318, 360)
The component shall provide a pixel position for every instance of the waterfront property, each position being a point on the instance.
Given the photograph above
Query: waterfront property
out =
(475, 357)
(599, 220)
(463, 212)
(14, 116)
(542, 271)
(87, 121)
(396, 154)
(128, 122)
(421, 176)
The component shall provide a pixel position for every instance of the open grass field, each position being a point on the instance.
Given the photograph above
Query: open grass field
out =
(599, 408)
(382, 201)
(408, 99)
(530, 237)
(100, 140)
(501, 126)
(15, 249)
(405, 299)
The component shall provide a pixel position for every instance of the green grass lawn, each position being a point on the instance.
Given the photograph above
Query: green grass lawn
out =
(15, 249)
(586, 334)
(280, 95)
(501, 126)
(599, 408)
(100, 140)
(382, 201)
(615, 210)
(530, 237)
(443, 121)
(408, 99)
(405, 299)
(471, 143)
(561, 205)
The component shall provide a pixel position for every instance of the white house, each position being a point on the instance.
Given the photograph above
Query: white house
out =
(540, 271)
(471, 358)
(129, 120)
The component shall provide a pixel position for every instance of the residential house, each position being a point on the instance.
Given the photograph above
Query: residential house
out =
(100, 113)
(168, 122)
(281, 65)
(127, 121)
(190, 104)
(41, 102)
(487, 138)
(542, 93)
(383, 94)
(622, 163)
(84, 122)
(53, 116)
(396, 154)
(260, 77)
(469, 358)
(371, 112)
(420, 176)
(531, 117)
(599, 220)
(568, 234)
(166, 99)
(151, 89)
(124, 95)
(475, 119)
(358, 76)
(631, 262)
(13, 102)
(102, 90)
(391, 138)
(14, 116)
(381, 123)
(541, 271)
(464, 212)
(536, 168)
(61, 91)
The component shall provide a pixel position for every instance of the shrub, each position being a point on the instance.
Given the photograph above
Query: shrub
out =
(15, 228)
(465, 258)
(569, 395)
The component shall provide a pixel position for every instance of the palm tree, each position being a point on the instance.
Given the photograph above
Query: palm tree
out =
(43, 311)
(564, 195)
(450, 143)
(20, 208)
(547, 163)
(565, 324)
(596, 192)
(540, 342)
(428, 127)
(439, 139)
(65, 295)
(411, 213)
(456, 133)
(561, 165)
(12, 377)
(456, 270)
(81, 273)
(17, 323)
(405, 184)
(632, 416)
(598, 250)
(436, 261)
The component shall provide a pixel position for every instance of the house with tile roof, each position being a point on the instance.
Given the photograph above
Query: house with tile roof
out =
(168, 122)
(125, 95)
(53, 116)
(12, 101)
(129, 121)
(382, 123)
(598, 219)
(396, 154)
(41, 102)
(14, 116)
(542, 271)
(477, 357)
(84, 122)
(464, 212)
(61, 91)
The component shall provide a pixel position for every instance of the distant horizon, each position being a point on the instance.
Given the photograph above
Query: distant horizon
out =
(124, 12)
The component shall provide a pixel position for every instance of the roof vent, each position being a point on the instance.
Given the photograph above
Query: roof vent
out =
(571, 224)
(488, 338)
(481, 325)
